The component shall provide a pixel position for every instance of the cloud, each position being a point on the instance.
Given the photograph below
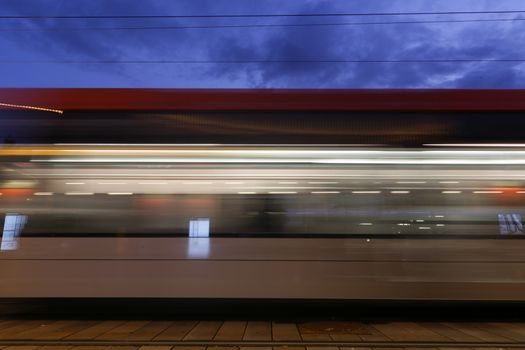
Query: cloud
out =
(414, 41)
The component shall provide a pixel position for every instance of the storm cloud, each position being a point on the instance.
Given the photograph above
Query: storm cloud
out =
(417, 41)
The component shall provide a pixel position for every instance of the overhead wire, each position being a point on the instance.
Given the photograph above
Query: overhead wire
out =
(298, 61)
(260, 25)
(265, 25)
(266, 15)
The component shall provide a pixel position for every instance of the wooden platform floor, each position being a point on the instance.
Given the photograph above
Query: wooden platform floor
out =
(251, 335)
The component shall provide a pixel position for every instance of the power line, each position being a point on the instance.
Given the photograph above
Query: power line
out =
(299, 61)
(348, 14)
(263, 25)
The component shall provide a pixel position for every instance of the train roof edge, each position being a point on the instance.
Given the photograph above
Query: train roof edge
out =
(266, 99)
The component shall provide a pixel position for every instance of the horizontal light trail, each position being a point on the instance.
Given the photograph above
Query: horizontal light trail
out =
(274, 156)
(227, 145)
(79, 193)
(282, 192)
(325, 192)
(267, 176)
(488, 145)
(43, 193)
(366, 192)
(198, 183)
(152, 183)
(322, 182)
(120, 193)
(223, 150)
(112, 183)
(487, 192)
(451, 192)
(246, 192)
(400, 192)
(42, 109)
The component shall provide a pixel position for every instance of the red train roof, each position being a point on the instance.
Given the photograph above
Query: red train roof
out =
(267, 100)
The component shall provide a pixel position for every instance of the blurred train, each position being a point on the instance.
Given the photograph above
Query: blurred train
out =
(361, 195)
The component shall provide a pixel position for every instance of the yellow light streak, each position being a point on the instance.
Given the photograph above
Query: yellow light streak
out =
(9, 105)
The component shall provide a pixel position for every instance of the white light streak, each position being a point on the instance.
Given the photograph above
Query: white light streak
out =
(487, 192)
(79, 193)
(325, 192)
(424, 228)
(411, 182)
(201, 160)
(366, 192)
(365, 224)
(112, 183)
(153, 183)
(451, 192)
(474, 144)
(198, 183)
(43, 193)
(246, 192)
(141, 144)
(399, 192)
(282, 192)
(516, 176)
(75, 183)
(120, 193)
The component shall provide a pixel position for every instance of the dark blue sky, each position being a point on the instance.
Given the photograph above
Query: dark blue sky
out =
(480, 40)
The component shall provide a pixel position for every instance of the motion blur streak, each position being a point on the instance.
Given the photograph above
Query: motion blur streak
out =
(255, 155)
(257, 184)
(349, 217)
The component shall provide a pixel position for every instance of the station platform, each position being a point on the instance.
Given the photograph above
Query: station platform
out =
(62, 334)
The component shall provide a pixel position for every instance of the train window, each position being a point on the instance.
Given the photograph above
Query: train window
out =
(199, 227)
(510, 224)
(13, 226)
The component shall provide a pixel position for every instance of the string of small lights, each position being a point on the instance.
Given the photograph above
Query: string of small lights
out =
(9, 105)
